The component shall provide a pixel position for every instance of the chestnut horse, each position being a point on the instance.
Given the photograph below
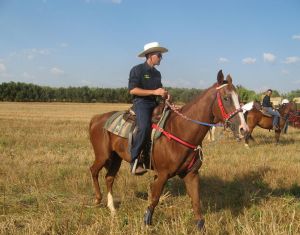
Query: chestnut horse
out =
(219, 103)
(256, 118)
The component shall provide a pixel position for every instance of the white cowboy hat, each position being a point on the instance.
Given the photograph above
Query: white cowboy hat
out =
(152, 47)
(285, 101)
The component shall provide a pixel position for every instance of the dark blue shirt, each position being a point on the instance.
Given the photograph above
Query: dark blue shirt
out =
(145, 77)
(266, 101)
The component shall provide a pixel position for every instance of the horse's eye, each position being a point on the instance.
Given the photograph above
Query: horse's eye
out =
(226, 98)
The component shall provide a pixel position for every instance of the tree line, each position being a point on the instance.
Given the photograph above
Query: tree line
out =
(27, 92)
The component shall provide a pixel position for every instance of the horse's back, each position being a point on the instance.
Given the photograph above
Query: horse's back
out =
(96, 130)
(100, 119)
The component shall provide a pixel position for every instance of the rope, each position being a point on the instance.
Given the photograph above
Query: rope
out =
(175, 109)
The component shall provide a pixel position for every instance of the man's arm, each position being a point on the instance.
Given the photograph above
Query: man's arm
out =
(142, 92)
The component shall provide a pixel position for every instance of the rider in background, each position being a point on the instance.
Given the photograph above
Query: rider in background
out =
(267, 106)
(145, 85)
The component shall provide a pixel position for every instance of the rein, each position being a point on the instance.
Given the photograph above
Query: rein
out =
(175, 109)
(225, 115)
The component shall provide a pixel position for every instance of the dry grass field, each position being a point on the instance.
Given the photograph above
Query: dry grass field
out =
(46, 187)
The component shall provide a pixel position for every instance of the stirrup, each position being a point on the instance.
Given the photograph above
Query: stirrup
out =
(134, 166)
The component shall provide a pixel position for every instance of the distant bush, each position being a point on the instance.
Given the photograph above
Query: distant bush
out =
(27, 92)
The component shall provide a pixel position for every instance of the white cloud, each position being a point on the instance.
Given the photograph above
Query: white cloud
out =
(222, 60)
(33, 52)
(2, 68)
(249, 60)
(57, 71)
(269, 57)
(291, 60)
(285, 72)
(296, 37)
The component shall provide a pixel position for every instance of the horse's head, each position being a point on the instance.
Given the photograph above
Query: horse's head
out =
(287, 108)
(227, 108)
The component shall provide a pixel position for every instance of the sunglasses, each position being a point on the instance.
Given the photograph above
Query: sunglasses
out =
(159, 55)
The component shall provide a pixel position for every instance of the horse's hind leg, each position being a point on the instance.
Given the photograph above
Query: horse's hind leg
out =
(192, 183)
(95, 169)
(113, 167)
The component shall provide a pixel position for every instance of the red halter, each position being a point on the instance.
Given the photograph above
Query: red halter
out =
(225, 115)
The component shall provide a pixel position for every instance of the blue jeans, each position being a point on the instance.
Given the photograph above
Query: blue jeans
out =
(143, 110)
(275, 115)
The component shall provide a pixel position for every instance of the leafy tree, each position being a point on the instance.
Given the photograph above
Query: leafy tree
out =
(246, 95)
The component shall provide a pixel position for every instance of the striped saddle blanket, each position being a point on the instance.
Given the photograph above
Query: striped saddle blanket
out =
(122, 126)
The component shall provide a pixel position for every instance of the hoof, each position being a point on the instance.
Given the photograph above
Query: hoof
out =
(247, 146)
(148, 217)
(113, 213)
(200, 224)
(97, 201)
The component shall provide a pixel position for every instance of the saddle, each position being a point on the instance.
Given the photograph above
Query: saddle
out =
(265, 112)
(129, 115)
(257, 105)
(123, 124)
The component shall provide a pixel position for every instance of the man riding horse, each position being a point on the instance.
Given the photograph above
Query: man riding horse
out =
(145, 85)
(267, 106)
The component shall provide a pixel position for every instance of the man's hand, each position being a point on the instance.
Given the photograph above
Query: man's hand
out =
(161, 92)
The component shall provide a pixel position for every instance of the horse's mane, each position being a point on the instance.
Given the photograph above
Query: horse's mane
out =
(197, 98)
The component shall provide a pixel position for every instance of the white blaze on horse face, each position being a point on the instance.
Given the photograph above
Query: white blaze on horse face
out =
(236, 103)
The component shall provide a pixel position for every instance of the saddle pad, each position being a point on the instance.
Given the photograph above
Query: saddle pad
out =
(155, 134)
(266, 113)
(117, 125)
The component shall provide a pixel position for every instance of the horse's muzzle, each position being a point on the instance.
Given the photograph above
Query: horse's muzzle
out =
(243, 130)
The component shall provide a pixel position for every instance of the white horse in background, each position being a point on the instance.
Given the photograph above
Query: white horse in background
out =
(212, 130)
(211, 134)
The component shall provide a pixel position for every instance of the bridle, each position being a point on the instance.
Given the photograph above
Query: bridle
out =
(226, 116)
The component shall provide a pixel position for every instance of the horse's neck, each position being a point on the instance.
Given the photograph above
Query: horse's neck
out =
(201, 107)
(284, 109)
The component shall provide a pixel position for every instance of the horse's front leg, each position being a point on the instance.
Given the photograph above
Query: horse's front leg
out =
(277, 135)
(248, 136)
(155, 189)
(192, 183)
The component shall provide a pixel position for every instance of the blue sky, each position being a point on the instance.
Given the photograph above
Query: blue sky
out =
(96, 42)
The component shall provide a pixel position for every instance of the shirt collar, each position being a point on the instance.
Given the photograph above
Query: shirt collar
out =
(148, 67)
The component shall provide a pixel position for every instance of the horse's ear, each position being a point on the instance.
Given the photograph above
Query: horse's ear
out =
(220, 77)
(229, 79)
